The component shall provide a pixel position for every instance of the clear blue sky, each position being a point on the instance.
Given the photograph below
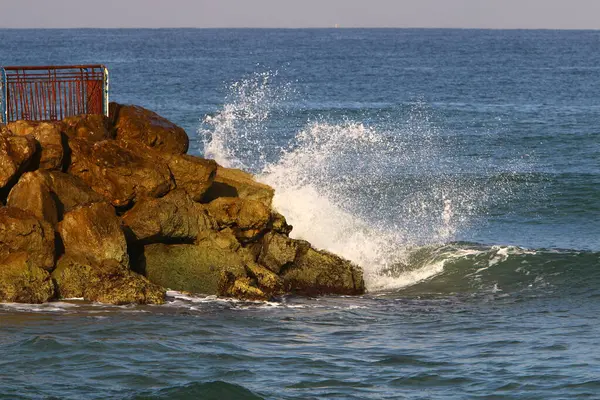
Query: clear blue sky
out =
(553, 14)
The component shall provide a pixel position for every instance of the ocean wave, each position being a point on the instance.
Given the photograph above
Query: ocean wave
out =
(369, 193)
(464, 268)
(217, 390)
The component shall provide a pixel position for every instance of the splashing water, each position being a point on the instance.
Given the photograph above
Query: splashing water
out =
(235, 136)
(373, 194)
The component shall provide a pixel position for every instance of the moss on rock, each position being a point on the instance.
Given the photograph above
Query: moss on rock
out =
(108, 282)
(22, 282)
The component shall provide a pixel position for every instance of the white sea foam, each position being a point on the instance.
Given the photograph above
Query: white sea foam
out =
(370, 194)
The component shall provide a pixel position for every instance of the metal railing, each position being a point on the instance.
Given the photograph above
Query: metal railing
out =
(52, 93)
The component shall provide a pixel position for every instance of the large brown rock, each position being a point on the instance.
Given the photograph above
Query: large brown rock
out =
(199, 268)
(49, 138)
(137, 123)
(22, 282)
(119, 171)
(169, 219)
(279, 251)
(92, 234)
(247, 218)
(279, 224)
(193, 174)
(241, 288)
(32, 194)
(231, 182)
(50, 194)
(22, 127)
(93, 127)
(16, 152)
(69, 191)
(109, 282)
(20, 231)
(319, 272)
(4, 131)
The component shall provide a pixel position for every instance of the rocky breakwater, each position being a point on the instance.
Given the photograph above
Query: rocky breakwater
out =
(113, 210)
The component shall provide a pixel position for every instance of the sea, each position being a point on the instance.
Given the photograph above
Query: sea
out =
(459, 168)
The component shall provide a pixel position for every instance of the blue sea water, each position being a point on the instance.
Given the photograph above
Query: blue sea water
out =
(459, 168)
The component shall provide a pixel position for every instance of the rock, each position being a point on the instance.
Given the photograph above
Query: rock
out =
(50, 194)
(193, 174)
(319, 272)
(268, 282)
(241, 288)
(109, 282)
(22, 282)
(92, 128)
(4, 131)
(137, 123)
(259, 284)
(169, 219)
(230, 182)
(199, 268)
(49, 138)
(16, 152)
(247, 218)
(32, 194)
(118, 172)
(20, 231)
(279, 252)
(92, 234)
(279, 224)
(22, 127)
(69, 191)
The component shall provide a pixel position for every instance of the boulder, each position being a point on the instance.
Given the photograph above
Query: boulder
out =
(69, 191)
(241, 288)
(92, 128)
(247, 218)
(279, 224)
(4, 131)
(92, 234)
(49, 138)
(22, 127)
(170, 219)
(319, 272)
(193, 174)
(137, 123)
(279, 252)
(32, 194)
(199, 268)
(230, 182)
(119, 172)
(21, 231)
(258, 284)
(267, 281)
(23, 282)
(16, 152)
(109, 282)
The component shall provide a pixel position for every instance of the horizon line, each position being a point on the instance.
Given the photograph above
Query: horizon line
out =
(302, 28)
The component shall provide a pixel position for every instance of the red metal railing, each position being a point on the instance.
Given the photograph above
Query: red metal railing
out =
(51, 93)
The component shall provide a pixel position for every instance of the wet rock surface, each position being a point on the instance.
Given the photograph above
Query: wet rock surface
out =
(145, 126)
(118, 172)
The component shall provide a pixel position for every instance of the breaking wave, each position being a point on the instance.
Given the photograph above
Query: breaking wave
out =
(380, 193)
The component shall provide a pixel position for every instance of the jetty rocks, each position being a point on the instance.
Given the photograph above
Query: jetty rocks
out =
(113, 210)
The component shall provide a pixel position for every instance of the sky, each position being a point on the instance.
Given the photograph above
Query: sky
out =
(495, 14)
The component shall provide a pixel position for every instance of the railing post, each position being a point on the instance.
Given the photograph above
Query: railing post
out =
(105, 90)
(3, 97)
